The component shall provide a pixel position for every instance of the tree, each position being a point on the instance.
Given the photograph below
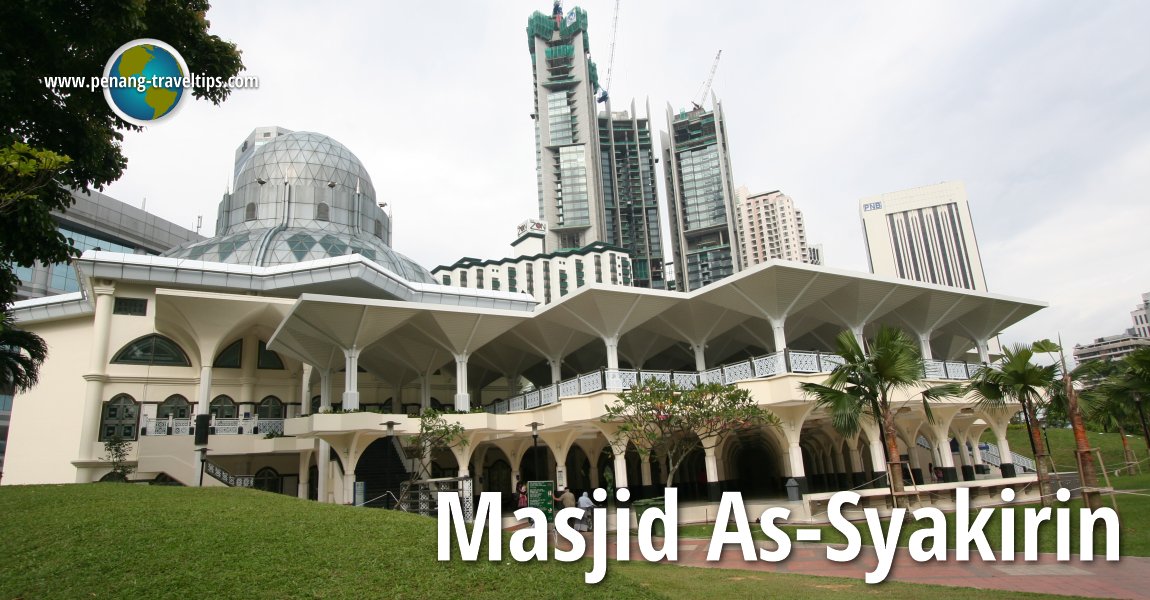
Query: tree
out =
(41, 39)
(116, 451)
(664, 418)
(434, 432)
(1109, 405)
(21, 354)
(863, 387)
(1016, 378)
(1064, 396)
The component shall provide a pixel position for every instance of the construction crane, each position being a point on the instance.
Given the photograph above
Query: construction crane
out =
(611, 57)
(702, 95)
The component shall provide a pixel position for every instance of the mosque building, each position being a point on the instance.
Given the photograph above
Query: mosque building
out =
(291, 351)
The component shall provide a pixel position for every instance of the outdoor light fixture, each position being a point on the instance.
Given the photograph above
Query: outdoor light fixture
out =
(203, 461)
(331, 184)
(535, 445)
(261, 180)
(390, 427)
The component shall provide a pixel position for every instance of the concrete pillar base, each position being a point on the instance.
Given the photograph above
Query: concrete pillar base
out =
(880, 480)
(967, 473)
(858, 480)
(1008, 470)
(714, 491)
(949, 474)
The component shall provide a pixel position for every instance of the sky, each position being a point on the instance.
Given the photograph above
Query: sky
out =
(1042, 108)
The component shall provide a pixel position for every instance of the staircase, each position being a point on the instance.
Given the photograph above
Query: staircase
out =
(991, 456)
(383, 469)
(223, 476)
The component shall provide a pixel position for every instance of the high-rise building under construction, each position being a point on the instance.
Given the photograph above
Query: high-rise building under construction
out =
(595, 172)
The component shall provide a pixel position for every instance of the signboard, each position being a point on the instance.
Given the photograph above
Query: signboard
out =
(561, 477)
(531, 226)
(360, 493)
(869, 206)
(541, 495)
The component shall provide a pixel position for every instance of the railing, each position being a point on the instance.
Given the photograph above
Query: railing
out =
(759, 367)
(248, 426)
(991, 456)
(227, 478)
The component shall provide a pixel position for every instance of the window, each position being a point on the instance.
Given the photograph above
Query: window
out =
(152, 350)
(230, 357)
(379, 229)
(446, 279)
(176, 406)
(137, 307)
(270, 408)
(512, 283)
(479, 279)
(268, 480)
(463, 279)
(269, 359)
(119, 418)
(250, 212)
(222, 408)
(322, 212)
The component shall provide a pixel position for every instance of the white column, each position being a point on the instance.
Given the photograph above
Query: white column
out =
(305, 391)
(1004, 455)
(942, 444)
(204, 393)
(877, 452)
(924, 346)
(700, 357)
(424, 392)
(556, 369)
(462, 398)
(323, 468)
(857, 330)
(304, 473)
(97, 368)
(976, 452)
(983, 351)
(856, 458)
(351, 380)
(711, 464)
(325, 390)
(620, 469)
(645, 471)
(780, 334)
(612, 345)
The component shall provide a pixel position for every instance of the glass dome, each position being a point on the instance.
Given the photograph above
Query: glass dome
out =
(302, 196)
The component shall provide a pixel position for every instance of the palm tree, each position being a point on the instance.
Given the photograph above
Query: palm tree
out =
(1109, 405)
(863, 386)
(1135, 375)
(1015, 378)
(21, 354)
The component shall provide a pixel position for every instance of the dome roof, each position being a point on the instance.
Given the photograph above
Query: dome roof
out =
(294, 245)
(302, 156)
(300, 197)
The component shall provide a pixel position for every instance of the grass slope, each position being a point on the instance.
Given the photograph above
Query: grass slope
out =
(129, 541)
(1062, 447)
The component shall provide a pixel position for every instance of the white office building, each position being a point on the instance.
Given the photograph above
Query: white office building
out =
(923, 234)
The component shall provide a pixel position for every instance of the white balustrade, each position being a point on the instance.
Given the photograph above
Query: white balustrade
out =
(769, 365)
(804, 362)
(549, 395)
(516, 403)
(712, 375)
(739, 371)
(569, 388)
(686, 379)
(590, 382)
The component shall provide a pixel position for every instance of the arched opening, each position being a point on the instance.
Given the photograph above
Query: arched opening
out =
(382, 470)
(119, 418)
(230, 357)
(175, 406)
(270, 408)
(497, 478)
(152, 350)
(322, 212)
(250, 212)
(223, 407)
(578, 469)
(753, 466)
(537, 464)
(268, 480)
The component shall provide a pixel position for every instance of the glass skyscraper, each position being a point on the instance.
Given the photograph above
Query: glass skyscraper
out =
(697, 168)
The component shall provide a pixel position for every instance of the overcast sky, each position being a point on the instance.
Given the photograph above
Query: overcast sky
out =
(1042, 108)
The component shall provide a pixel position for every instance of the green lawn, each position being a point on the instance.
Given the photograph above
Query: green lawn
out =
(1062, 447)
(132, 541)
(1133, 518)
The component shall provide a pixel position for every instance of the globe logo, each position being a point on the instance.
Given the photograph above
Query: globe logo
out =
(145, 81)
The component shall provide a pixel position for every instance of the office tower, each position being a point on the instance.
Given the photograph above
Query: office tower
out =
(771, 227)
(701, 197)
(924, 234)
(630, 196)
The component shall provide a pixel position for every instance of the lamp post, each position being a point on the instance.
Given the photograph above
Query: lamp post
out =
(535, 446)
(203, 461)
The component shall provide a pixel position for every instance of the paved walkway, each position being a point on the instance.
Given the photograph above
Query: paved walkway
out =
(1127, 578)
